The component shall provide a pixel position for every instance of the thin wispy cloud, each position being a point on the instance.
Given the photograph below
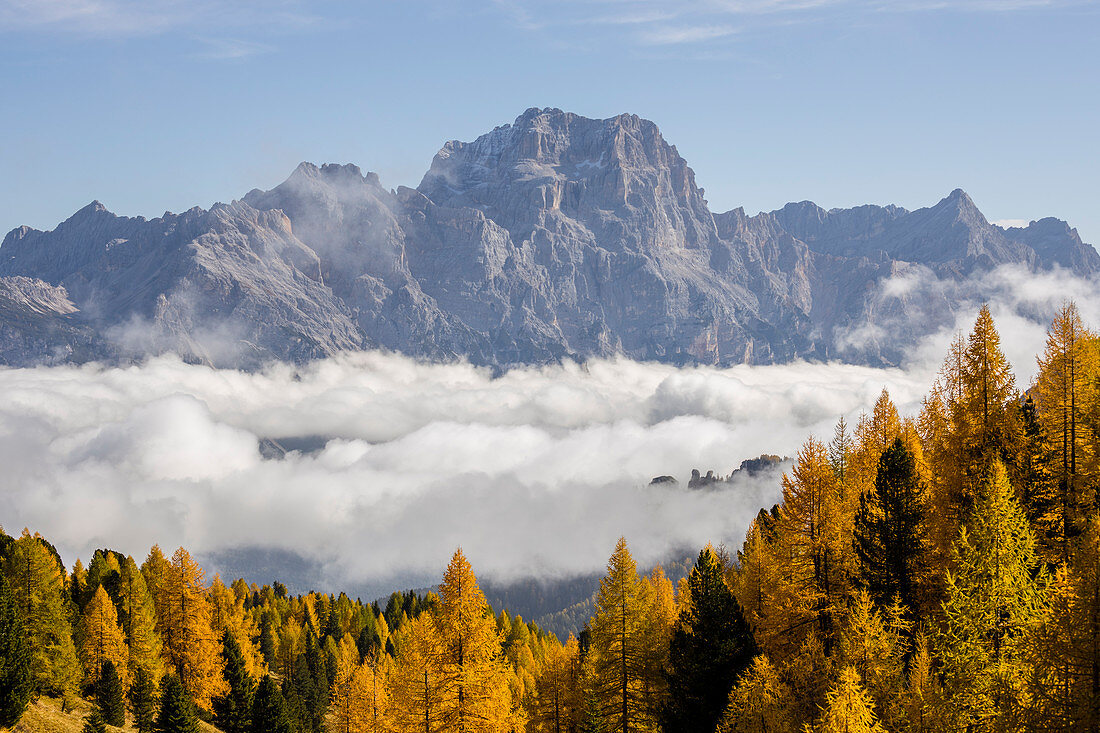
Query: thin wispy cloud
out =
(685, 34)
(136, 18)
(218, 49)
(702, 22)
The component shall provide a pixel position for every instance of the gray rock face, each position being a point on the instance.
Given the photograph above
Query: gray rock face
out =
(555, 237)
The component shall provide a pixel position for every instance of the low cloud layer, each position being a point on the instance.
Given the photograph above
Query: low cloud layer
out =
(536, 472)
(533, 473)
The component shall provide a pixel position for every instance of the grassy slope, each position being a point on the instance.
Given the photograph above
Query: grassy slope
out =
(45, 716)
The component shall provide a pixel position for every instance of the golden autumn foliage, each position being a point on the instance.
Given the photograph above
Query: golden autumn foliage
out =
(103, 640)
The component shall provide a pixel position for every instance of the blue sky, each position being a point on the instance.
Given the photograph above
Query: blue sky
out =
(150, 105)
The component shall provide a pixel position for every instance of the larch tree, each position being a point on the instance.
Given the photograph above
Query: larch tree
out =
(16, 678)
(474, 679)
(183, 621)
(756, 580)
(622, 632)
(761, 702)
(1063, 652)
(1063, 390)
(139, 621)
(228, 615)
(874, 644)
(710, 648)
(994, 599)
(848, 708)
(814, 535)
(557, 704)
(416, 686)
(102, 639)
(989, 401)
(359, 699)
(38, 586)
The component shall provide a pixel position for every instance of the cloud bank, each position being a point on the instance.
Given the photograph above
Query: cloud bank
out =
(534, 473)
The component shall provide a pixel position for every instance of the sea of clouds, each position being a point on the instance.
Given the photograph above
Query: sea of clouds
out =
(533, 473)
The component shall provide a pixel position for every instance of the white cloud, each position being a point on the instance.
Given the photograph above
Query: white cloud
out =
(667, 35)
(122, 18)
(1009, 223)
(539, 470)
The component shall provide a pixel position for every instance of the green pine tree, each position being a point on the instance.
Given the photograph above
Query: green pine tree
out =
(16, 681)
(109, 696)
(143, 701)
(269, 713)
(177, 712)
(710, 648)
(889, 529)
(233, 710)
(94, 723)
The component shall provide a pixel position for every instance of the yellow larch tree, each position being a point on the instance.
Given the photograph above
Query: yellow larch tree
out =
(814, 540)
(557, 704)
(183, 621)
(227, 613)
(1063, 390)
(37, 584)
(1063, 650)
(621, 651)
(102, 639)
(358, 701)
(848, 708)
(760, 702)
(416, 687)
(475, 692)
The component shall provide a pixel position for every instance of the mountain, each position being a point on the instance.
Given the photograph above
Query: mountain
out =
(555, 237)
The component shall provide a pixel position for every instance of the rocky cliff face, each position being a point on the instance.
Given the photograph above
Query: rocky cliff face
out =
(555, 237)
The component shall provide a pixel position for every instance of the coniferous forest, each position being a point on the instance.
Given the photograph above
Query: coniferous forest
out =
(930, 572)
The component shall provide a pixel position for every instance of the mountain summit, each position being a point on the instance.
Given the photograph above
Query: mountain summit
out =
(555, 237)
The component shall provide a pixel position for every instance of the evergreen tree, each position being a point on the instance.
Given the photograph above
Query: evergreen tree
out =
(889, 529)
(177, 712)
(269, 713)
(16, 680)
(993, 601)
(233, 710)
(110, 697)
(94, 723)
(143, 701)
(710, 649)
(268, 646)
(139, 620)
